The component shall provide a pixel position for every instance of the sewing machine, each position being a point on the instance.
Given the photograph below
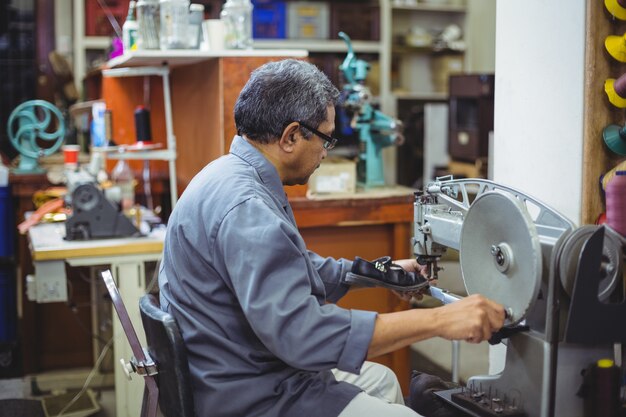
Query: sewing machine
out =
(561, 285)
(95, 212)
(376, 130)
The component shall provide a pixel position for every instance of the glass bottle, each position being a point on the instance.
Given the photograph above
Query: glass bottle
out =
(122, 176)
(196, 16)
(237, 18)
(148, 19)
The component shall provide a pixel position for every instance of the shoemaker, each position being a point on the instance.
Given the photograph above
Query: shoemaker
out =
(256, 309)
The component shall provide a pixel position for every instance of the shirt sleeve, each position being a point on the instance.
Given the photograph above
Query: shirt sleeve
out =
(332, 272)
(269, 271)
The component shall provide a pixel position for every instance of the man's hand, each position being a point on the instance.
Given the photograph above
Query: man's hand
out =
(411, 265)
(473, 319)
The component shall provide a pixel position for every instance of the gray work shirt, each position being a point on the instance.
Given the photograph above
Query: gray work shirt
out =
(252, 301)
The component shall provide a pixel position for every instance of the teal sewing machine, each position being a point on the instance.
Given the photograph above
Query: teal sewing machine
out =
(375, 129)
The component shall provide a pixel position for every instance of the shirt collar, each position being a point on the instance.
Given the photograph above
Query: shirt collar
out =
(267, 172)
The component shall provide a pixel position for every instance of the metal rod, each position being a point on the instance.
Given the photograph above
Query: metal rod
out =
(456, 354)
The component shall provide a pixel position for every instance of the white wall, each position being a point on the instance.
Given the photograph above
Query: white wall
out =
(538, 126)
(539, 100)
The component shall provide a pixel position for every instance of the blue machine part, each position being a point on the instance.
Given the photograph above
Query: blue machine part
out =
(376, 130)
(30, 121)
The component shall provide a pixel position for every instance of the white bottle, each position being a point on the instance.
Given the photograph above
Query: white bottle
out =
(237, 18)
(124, 178)
(129, 29)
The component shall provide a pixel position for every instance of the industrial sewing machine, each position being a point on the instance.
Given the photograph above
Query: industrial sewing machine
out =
(562, 288)
(95, 212)
(376, 130)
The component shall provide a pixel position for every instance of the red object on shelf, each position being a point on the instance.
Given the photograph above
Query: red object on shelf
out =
(96, 21)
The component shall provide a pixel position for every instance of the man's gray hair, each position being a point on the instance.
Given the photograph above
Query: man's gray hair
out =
(279, 93)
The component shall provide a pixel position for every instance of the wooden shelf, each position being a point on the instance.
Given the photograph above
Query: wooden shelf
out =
(424, 96)
(437, 8)
(318, 45)
(96, 42)
(178, 57)
(160, 155)
(405, 49)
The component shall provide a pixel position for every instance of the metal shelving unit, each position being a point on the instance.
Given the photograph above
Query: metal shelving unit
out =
(168, 154)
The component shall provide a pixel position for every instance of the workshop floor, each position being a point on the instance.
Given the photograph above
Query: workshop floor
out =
(20, 389)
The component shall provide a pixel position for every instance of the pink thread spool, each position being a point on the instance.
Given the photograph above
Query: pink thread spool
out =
(616, 202)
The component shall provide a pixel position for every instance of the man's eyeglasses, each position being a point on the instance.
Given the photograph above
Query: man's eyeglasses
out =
(329, 143)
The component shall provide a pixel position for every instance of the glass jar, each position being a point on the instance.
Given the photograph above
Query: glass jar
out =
(148, 20)
(174, 24)
(196, 16)
(237, 18)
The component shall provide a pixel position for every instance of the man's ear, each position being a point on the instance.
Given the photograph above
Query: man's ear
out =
(289, 137)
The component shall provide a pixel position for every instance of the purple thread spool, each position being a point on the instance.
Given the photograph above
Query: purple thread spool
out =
(616, 202)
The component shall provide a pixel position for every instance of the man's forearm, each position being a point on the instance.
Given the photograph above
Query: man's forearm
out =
(473, 318)
(393, 331)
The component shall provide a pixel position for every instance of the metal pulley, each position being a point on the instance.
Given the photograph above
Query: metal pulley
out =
(500, 253)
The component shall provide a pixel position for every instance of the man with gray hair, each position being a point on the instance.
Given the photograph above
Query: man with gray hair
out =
(255, 307)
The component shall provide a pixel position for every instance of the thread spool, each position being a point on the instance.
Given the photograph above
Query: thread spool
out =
(616, 203)
(614, 137)
(608, 176)
(617, 8)
(142, 125)
(603, 397)
(615, 90)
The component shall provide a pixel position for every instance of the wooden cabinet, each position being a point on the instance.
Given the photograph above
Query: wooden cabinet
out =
(52, 335)
(204, 88)
(369, 228)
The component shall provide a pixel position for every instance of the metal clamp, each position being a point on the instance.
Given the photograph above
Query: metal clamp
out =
(147, 368)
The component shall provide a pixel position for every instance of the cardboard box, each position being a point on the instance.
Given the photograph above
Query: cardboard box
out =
(334, 176)
(308, 20)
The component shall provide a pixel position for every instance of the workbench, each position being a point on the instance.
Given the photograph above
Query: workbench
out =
(126, 257)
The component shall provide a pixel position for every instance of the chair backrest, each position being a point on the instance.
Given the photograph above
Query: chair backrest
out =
(167, 349)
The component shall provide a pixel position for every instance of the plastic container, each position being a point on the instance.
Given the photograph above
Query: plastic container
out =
(7, 223)
(124, 178)
(196, 16)
(148, 22)
(237, 18)
(174, 24)
(616, 203)
(129, 29)
(269, 20)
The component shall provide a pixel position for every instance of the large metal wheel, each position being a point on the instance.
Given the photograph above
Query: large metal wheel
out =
(500, 253)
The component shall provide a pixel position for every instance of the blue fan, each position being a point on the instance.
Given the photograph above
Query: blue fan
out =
(29, 122)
